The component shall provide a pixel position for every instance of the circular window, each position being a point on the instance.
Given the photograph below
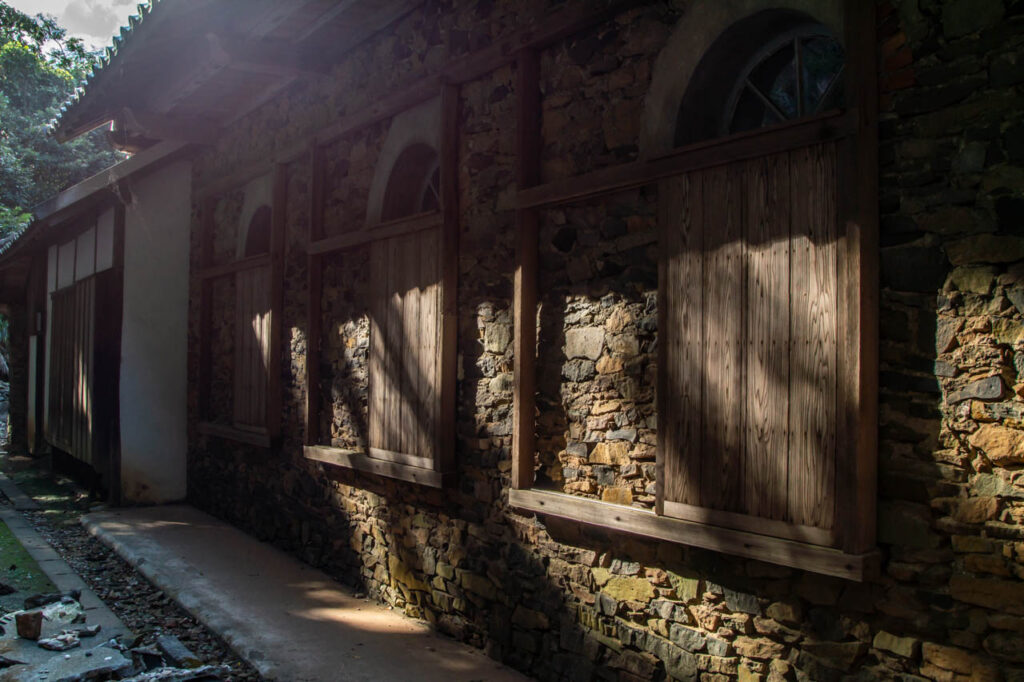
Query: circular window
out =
(795, 75)
(769, 68)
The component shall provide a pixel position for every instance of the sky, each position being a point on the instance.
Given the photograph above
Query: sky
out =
(94, 21)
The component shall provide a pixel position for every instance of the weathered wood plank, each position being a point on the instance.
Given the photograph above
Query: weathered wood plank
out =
(814, 323)
(857, 174)
(618, 517)
(390, 229)
(410, 371)
(273, 329)
(314, 314)
(766, 222)
(428, 342)
(448, 285)
(681, 307)
(524, 300)
(354, 459)
(750, 145)
(751, 524)
(378, 343)
(722, 405)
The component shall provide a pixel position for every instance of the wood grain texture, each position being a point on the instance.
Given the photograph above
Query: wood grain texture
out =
(766, 428)
(681, 208)
(524, 297)
(857, 174)
(272, 332)
(448, 308)
(616, 517)
(314, 295)
(813, 333)
(722, 405)
(354, 459)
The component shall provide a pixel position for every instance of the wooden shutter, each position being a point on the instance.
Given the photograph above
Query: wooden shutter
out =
(748, 416)
(69, 421)
(405, 348)
(252, 346)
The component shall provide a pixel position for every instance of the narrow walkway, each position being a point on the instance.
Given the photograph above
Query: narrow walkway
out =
(290, 621)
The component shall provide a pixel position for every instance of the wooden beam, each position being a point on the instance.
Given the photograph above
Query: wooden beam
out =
(393, 228)
(225, 269)
(524, 305)
(197, 67)
(314, 287)
(162, 127)
(259, 438)
(833, 125)
(857, 180)
(616, 517)
(444, 459)
(354, 459)
(271, 57)
(206, 227)
(279, 218)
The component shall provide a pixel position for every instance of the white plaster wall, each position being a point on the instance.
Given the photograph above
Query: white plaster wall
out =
(154, 337)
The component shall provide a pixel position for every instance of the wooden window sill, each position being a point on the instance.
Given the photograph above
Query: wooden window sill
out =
(260, 439)
(643, 522)
(355, 459)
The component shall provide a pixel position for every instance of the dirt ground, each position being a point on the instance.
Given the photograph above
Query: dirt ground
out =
(141, 607)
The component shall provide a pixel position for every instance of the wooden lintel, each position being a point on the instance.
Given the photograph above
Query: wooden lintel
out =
(395, 228)
(163, 127)
(215, 271)
(833, 125)
(616, 517)
(260, 439)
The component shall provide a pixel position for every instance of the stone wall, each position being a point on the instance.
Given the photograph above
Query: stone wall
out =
(561, 600)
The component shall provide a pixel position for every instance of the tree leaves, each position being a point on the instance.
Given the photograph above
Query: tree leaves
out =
(39, 66)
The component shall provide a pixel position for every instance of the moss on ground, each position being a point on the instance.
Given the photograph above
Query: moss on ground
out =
(20, 571)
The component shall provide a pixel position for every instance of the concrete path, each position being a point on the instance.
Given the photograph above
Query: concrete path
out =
(290, 621)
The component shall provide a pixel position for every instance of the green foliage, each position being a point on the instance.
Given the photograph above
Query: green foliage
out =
(39, 66)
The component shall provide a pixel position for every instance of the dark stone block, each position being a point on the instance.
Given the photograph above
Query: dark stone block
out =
(913, 268)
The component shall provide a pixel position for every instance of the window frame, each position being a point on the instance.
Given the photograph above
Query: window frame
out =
(441, 470)
(855, 132)
(265, 436)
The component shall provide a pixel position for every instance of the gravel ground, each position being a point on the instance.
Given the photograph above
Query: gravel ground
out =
(142, 607)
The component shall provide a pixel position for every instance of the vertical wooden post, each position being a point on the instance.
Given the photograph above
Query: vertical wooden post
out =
(858, 288)
(314, 286)
(205, 306)
(279, 218)
(524, 306)
(444, 461)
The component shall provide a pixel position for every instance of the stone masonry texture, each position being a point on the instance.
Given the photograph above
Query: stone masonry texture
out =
(563, 601)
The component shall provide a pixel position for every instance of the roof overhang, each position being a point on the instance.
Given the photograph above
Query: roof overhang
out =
(182, 69)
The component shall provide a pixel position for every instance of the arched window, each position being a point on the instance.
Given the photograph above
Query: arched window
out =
(772, 67)
(257, 236)
(414, 184)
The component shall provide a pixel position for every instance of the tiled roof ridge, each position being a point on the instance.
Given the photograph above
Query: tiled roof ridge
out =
(143, 10)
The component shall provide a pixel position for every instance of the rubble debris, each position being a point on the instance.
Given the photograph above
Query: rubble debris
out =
(86, 630)
(101, 663)
(62, 642)
(206, 672)
(37, 600)
(8, 662)
(176, 653)
(30, 624)
(147, 658)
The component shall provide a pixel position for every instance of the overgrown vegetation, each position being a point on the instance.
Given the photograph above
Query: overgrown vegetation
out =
(40, 66)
